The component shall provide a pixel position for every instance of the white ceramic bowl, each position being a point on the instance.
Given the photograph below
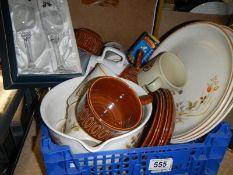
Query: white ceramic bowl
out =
(53, 110)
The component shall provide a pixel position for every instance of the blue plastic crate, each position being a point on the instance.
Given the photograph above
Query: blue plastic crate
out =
(202, 157)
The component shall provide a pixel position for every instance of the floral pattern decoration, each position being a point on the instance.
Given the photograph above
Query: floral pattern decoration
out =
(198, 107)
(134, 141)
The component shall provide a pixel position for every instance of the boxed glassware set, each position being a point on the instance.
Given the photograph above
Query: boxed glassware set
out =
(39, 46)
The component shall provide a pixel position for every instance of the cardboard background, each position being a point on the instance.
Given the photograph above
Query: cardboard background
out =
(172, 19)
(122, 24)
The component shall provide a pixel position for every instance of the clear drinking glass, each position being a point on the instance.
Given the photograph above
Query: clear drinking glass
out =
(24, 22)
(53, 25)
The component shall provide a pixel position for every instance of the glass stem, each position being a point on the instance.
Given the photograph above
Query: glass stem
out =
(59, 59)
(26, 36)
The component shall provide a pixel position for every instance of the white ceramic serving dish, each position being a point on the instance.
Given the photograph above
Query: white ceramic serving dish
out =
(53, 110)
(206, 52)
(211, 122)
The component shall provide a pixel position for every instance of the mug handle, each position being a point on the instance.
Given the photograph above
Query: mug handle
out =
(154, 85)
(111, 49)
(146, 99)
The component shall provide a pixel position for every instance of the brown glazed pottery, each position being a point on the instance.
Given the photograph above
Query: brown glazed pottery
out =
(89, 41)
(131, 71)
(167, 117)
(159, 126)
(110, 108)
(172, 119)
(157, 123)
(149, 128)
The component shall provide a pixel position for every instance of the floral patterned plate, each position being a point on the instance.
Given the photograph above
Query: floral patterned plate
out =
(211, 122)
(206, 52)
(209, 125)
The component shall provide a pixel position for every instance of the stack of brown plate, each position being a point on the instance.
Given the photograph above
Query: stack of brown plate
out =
(159, 128)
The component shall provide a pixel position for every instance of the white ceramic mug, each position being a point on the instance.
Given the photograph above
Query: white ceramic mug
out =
(164, 71)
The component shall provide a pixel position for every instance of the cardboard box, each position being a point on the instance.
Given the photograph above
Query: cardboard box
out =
(123, 23)
(171, 20)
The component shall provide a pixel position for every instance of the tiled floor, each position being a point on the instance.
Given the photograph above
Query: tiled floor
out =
(31, 163)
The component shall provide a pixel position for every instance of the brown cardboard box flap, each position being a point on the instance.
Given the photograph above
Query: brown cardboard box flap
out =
(122, 24)
(170, 20)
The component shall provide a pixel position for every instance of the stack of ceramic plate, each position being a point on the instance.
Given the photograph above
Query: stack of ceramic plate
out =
(159, 129)
(206, 50)
(169, 119)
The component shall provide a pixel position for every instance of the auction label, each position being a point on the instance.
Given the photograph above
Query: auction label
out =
(160, 165)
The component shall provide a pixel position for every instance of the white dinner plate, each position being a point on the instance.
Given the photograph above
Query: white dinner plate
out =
(212, 121)
(206, 52)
